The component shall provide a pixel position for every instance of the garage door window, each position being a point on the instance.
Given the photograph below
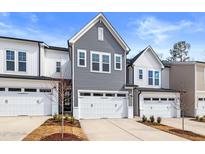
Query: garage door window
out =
(30, 90)
(200, 99)
(14, 89)
(155, 99)
(110, 95)
(2, 89)
(98, 94)
(121, 95)
(163, 99)
(85, 94)
(45, 90)
(147, 99)
(171, 99)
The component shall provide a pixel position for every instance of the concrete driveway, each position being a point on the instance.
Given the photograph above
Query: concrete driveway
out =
(16, 128)
(123, 130)
(194, 126)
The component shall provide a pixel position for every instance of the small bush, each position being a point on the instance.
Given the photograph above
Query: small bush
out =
(159, 119)
(69, 118)
(152, 119)
(144, 118)
(201, 119)
(57, 117)
(197, 118)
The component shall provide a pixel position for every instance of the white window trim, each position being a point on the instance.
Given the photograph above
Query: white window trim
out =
(153, 77)
(118, 55)
(100, 61)
(78, 57)
(100, 31)
(21, 61)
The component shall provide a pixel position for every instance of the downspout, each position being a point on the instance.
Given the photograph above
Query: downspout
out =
(39, 62)
(138, 99)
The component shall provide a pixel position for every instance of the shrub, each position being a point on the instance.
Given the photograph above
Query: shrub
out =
(152, 119)
(69, 118)
(159, 119)
(201, 119)
(197, 118)
(57, 117)
(144, 118)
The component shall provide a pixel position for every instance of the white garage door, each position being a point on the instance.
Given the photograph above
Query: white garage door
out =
(14, 102)
(200, 111)
(159, 107)
(94, 105)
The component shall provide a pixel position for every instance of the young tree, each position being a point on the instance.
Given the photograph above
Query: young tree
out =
(180, 52)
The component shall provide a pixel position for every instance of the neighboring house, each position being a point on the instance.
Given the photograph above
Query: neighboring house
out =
(189, 77)
(99, 71)
(29, 75)
(152, 95)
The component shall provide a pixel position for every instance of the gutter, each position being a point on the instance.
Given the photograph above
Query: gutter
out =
(39, 64)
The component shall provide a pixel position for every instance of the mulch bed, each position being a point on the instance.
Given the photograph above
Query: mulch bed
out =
(178, 132)
(58, 137)
(198, 120)
(51, 131)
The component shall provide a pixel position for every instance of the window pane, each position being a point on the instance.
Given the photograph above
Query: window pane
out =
(2, 89)
(22, 66)
(45, 90)
(85, 94)
(118, 66)
(30, 90)
(82, 55)
(171, 99)
(10, 66)
(140, 74)
(156, 74)
(15, 89)
(97, 94)
(110, 95)
(105, 59)
(121, 95)
(163, 99)
(95, 57)
(9, 55)
(147, 99)
(155, 99)
(150, 74)
(150, 81)
(150, 77)
(106, 67)
(95, 66)
(82, 62)
(118, 59)
(22, 56)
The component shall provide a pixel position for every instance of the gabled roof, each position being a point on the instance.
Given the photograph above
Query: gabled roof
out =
(102, 18)
(20, 39)
(143, 51)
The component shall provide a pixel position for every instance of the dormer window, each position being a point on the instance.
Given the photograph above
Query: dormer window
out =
(100, 34)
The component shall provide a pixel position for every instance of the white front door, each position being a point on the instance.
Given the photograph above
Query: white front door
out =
(94, 105)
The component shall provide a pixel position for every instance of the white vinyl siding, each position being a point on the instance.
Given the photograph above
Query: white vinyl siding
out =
(118, 62)
(81, 58)
(100, 62)
(100, 34)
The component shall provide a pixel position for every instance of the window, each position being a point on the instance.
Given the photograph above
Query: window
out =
(171, 99)
(118, 62)
(156, 78)
(163, 99)
(140, 74)
(95, 62)
(155, 99)
(22, 61)
(15, 89)
(100, 34)
(110, 95)
(98, 94)
(30, 90)
(58, 67)
(106, 63)
(200, 99)
(150, 77)
(147, 99)
(45, 90)
(81, 58)
(10, 60)
(100, 62)
(121, 95)
(2, 89)
(85, 94)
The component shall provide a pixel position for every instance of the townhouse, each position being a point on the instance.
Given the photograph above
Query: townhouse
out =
(152, 93)
(102, 82)
(190, 78)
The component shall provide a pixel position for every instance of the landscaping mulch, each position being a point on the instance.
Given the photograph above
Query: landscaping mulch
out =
(50, 130)
(198, 120)
(58, 137)
(178, 132)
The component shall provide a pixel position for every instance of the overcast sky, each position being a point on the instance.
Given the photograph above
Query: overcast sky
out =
(160, 30)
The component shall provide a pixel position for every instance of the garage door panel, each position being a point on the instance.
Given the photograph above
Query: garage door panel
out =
(14, 104)
(102, 107)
